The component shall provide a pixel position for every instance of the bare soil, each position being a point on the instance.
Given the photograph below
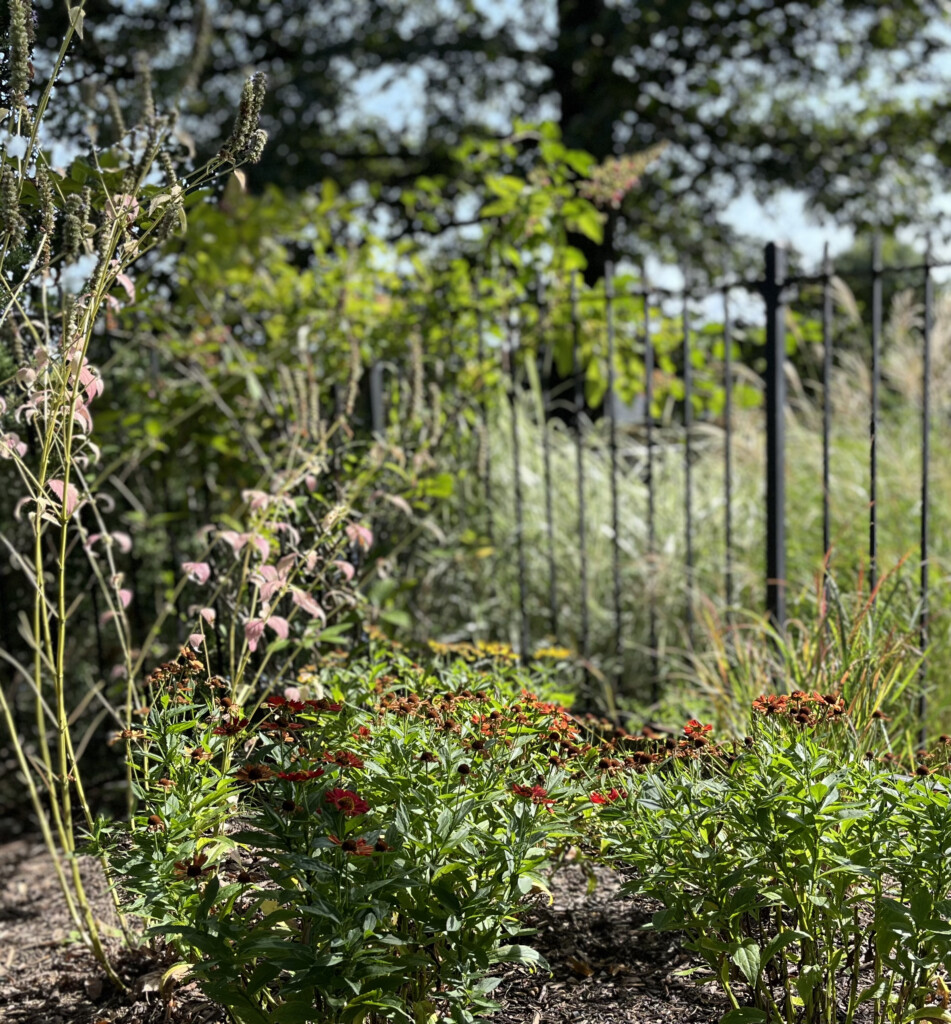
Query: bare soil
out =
(605, 968)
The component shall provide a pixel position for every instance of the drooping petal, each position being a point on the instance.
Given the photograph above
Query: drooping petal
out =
(303, 600)
(196, 640)
(253, 632)
(198, 572)
(72, 495)
(346, 568)
(279, 625)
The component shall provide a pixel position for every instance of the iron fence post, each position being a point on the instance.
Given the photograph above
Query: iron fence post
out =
(775, 434)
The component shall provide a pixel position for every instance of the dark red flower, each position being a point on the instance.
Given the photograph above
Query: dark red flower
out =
(344, 759)
(277, 725)
(302, 776)
(230, 726)
(323, 705)
(347, 802)
(537, 794)
(358, 847)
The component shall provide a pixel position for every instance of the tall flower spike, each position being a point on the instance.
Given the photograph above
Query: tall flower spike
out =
(246, 122)
(11, 220)
(21, 69)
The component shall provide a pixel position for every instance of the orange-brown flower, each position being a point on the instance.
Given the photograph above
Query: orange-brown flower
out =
(771, 704)
(356, 847)
(253, 772)
(193, 868)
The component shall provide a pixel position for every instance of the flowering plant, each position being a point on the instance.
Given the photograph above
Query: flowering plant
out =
(358, 855)
(810, 872)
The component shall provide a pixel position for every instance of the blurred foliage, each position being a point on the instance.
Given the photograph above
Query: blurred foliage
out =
(842, 100)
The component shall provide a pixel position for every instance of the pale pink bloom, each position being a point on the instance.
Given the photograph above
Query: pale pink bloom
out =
(106, 617)
(285, 564)
(25, 376)
(209, 615)
(346, 568)
(196, 640)
(253, 632)
(269, 581)
(235, 541)
(90, 382)
(291, 693)
(123, 540)
(198, 572)
(10, 445)
(125, 597)
(310, 561)
(280, 626)
(118, 672)
(82, 418)
(260, 544)
(303, 600)
(310, 482)
(256, 499)
(72, 495)
(362, 536)
(291, 531)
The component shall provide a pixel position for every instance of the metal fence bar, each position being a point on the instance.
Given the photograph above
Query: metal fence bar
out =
(925, 461)
(486, 467)
(728, 450)
(688, 469)
(826, 409)
(773, 293)
(545, 350)
(612, 412)
(376, 398)
(651, 509)
(874, 418)
(511, 357)
(579, 413)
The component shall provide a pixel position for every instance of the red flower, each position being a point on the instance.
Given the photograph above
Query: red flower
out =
(696, 731)
(357, 847)
(269, 725)
(344, 759)
(323, 705)
(605, 798)
(363, 733)
(230, 726)
(347, 802)
(774, 704)
(537, 794)
(305, 776)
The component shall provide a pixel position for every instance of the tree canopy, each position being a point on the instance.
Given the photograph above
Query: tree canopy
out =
(845, 100)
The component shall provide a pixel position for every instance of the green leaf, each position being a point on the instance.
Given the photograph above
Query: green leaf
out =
(747, 958)
(744, 1015)
(929, 1013)
(518, 955)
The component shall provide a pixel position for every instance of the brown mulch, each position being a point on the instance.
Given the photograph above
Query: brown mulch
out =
(605, 968)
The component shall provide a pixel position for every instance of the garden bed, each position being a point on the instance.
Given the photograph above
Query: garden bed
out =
(605, 968)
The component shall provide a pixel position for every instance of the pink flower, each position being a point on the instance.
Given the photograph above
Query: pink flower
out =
(72, 495)
(346, 568)
(279, 625)
(209, 615)
(196, 640)
(362, 536)
(198, 572)
(303, 600)
(253, 632)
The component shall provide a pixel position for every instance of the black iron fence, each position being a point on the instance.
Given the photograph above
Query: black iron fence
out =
(540, 349)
